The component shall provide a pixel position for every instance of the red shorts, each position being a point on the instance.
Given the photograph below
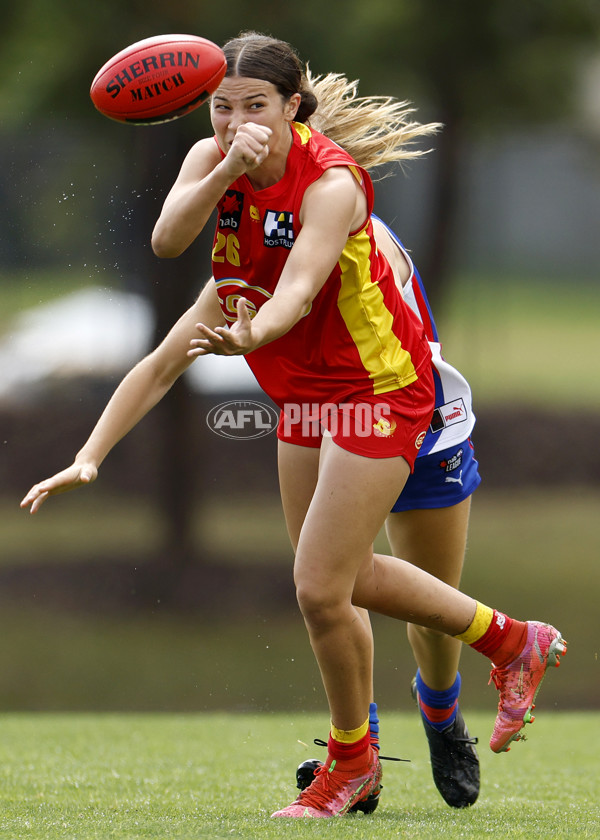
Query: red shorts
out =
(383, 426)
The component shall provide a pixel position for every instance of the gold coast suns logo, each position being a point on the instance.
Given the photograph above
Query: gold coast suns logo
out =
(384, 427)
(231, 289)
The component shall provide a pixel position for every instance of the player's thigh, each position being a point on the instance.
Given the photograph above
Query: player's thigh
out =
(349, 507)
(433, 539)
(298, 472)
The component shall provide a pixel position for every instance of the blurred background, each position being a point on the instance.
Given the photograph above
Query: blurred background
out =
(167, 584)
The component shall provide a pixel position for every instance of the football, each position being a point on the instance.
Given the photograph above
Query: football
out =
(158, 79)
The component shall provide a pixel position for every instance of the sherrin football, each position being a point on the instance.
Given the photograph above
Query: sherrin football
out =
(158, 79)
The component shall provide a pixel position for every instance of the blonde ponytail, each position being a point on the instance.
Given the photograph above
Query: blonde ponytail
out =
(375, 130)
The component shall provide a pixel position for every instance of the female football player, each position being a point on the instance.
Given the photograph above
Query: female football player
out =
(302, 291)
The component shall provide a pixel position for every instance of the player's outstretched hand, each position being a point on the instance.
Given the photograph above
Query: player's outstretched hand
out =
(74, 476)
(225, 341)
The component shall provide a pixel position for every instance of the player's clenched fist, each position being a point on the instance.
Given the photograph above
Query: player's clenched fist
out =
(249, 147)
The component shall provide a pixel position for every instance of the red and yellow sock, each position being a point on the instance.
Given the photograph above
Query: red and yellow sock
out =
(349, 745)
(494, 634)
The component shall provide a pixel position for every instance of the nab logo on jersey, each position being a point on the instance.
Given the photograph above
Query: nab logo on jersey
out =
(279, 229)
(230, 209)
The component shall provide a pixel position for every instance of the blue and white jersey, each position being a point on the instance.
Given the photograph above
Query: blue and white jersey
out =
(453, 417)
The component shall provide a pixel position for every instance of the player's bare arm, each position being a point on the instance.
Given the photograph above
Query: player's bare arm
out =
(141, 389)
(201, 183)
(392, 253)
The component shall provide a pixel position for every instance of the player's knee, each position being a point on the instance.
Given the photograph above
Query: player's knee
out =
(312, 599)
(318, 604)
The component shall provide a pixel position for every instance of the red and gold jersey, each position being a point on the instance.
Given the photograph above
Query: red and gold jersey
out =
(359, 337)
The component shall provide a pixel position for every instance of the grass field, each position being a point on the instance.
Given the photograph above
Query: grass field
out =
(221, 776)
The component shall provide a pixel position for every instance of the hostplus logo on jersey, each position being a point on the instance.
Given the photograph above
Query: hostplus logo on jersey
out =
(279, 229)
(230, 209)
